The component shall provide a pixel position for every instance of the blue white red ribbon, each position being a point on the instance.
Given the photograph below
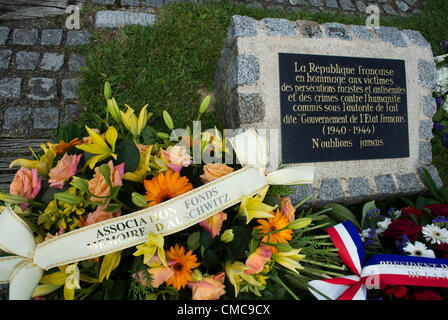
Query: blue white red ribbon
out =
(379, 269)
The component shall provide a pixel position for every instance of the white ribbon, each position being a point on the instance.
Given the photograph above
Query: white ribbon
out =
(24, 270)
(19, 270)
(252, 149)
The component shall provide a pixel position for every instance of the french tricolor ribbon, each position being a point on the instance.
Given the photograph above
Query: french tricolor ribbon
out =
(379, 269)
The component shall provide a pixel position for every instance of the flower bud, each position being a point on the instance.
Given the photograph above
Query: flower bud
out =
(204, 104)
(197, 275)
(283, 247)
(139, 200)
(113, 109)
(227, 236)
(163, 135)
(107, 90)
(168, 120)
(299, 223)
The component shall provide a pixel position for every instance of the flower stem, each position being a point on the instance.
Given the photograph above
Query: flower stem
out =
(331, 266)
(280, 282)
(317, 227)
(321, 237)
(302, 202)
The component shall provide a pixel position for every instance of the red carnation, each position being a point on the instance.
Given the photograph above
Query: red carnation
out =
(439, 209)
(401, 227)
(424, 294)
(397, 291)
(444, 248)
(407, 210)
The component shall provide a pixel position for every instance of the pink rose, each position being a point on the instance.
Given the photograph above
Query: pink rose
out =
(178, 157)
(214, 223)
(210, 288)
(98, 185)
(159, 275)
(256, 261)
(288, 209)
(100, 215)
(27, 184)
(64, 170)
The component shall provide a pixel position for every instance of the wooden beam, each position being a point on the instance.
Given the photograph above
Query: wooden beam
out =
(18, 13)
(37, 3)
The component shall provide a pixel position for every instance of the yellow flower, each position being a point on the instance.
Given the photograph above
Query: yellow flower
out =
(99, 147)
(159, 163)
(234, 272)
(130, 121)
(43, 164)
(149, 248)
(143, 167)
(289, 259)
(254, 207)
(110, 262)
(67, 276)
(237, 277)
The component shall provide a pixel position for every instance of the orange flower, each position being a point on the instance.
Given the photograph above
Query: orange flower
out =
(165, 187)
(288, 209)
(185, 262)
(214, 223)
(62, 147)
(256, 261)
(64, 170)
(27, 184)
(98, 185)
(278, 222)
(101, 215)
(214, 171)
(210, 288)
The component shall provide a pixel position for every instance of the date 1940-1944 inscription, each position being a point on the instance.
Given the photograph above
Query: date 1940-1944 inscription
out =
(342, 108)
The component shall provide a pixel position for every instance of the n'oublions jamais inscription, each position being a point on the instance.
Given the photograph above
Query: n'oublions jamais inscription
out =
(342, 108)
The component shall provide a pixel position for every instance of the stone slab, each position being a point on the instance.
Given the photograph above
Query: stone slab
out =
(115, 19)
(263, 40)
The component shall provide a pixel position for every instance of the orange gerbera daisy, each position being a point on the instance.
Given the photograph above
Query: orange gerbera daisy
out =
(276, 223)
(185, 262)
(165, 186)
(62, 147)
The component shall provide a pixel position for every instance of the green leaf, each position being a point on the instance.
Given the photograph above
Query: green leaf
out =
(68, 198)
(206, 239)
(242, 236)
(128, 153)
(210, 260)
(150, 136)
(112, 207)
(431, 185)
(369, 206)
(105, 172)
(80, 184)
(342, 214)
(193, 241)
(272, 200)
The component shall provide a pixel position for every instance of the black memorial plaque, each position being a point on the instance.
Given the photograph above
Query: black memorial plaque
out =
(342, 108)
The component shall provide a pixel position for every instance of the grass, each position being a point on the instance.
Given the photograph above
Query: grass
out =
(169, 64)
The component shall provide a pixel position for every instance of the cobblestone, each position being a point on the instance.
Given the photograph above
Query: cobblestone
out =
(52, 61)
(42, 89)
(10, 88)
(5, 58)
(76, 62)
(69, 88)
(51, 37)
(347, 5)
(15, 116)
(25, 37)
(27, 60)
(77, 38)
(46, 118)
(4, 33)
